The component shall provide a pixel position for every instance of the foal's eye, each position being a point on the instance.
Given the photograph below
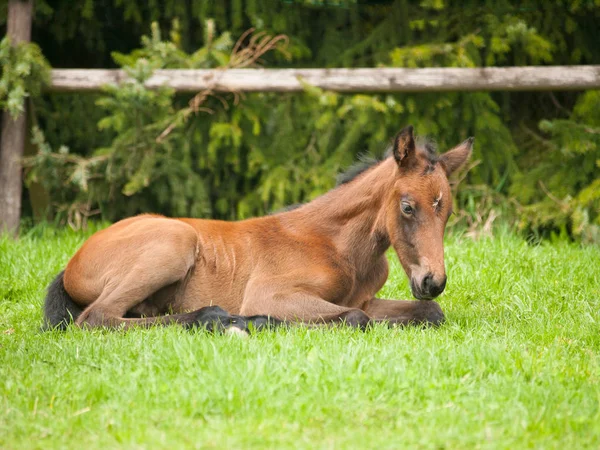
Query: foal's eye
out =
(407, 209)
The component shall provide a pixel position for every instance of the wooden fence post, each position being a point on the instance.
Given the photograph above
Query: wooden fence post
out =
(14, 131)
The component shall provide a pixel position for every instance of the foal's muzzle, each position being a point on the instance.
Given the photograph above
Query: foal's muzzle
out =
(428, 288)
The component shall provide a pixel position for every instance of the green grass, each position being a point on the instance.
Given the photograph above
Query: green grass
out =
(516, 365)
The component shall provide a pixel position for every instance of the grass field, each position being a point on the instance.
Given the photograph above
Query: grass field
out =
(517, 365)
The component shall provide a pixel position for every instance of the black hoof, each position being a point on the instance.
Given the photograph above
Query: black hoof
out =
(355, 318)
(216, 319)
(425, 313)
(432, 314)
(212, 318)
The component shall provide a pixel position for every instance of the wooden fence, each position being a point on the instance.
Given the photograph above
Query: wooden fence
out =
(535, 78)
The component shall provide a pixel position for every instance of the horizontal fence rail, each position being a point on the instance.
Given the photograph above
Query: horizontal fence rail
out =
(530, 78)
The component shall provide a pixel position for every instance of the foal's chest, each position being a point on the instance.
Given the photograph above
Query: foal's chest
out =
(362, 286)
(371, 281)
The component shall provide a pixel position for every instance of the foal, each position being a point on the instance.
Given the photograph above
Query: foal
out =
(322, 262)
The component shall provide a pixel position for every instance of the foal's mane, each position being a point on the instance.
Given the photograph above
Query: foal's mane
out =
(425, 147)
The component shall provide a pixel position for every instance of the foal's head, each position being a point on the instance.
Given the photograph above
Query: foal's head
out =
(418, 208)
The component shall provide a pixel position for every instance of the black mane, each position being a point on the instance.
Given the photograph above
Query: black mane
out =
(425, 147)
(364, 163)
(428, 148)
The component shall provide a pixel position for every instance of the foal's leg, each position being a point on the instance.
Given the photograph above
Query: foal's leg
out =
(303, 307)
(405, 312)
(153, 255)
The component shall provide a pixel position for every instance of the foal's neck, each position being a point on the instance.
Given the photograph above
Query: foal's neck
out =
(353, 215)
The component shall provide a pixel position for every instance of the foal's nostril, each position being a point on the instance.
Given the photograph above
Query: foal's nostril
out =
(430, 288)
(427, 283)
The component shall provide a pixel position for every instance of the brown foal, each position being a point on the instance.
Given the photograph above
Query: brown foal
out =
(322, 262)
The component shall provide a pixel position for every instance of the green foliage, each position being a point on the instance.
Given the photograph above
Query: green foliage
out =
(493, 39)
(562, 189)
(137, 159)
(151, 162)
(117, 178)
(62, 179)
(341, 33)
(168, 54)
(23, 72)
(270, 150)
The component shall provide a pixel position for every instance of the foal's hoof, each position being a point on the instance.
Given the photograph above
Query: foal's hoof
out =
(215, 319)
(427, 313)
(423, 313)
(355, 318)
(432, 314)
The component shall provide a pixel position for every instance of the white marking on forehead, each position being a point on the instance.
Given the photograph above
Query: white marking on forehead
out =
(437, 200)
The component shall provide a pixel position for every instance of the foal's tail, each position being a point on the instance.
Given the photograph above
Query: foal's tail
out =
(59, 307)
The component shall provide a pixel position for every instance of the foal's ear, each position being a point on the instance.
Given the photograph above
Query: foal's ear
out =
(404, 147)
(454, 159)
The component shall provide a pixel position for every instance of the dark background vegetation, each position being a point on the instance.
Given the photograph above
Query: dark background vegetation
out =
(537, 154)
